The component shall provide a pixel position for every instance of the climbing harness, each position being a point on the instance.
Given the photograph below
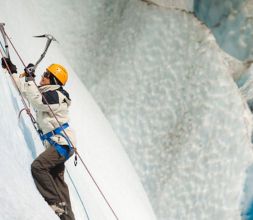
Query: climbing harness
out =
(61, 149)
(60, 130)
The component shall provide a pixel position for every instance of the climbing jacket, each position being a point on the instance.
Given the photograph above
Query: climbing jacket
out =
(58, 100)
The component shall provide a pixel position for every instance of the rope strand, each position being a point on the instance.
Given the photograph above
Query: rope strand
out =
(15, 84)
(73, 183)
(2, 47)
(102, 194)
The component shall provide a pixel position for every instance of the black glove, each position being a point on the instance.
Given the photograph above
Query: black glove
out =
(29, 70)
(11, 66)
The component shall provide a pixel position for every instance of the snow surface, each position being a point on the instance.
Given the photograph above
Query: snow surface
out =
(98, 145)
(167, 90)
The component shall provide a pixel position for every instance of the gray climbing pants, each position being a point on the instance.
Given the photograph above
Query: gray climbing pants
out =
(48, 174)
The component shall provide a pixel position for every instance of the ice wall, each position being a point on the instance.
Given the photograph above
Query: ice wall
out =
(231, 22)
(169, 95)
(166, 88)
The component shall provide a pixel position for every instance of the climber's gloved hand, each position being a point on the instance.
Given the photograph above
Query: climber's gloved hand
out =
(29, 73)
(29, 70)
(7, 64)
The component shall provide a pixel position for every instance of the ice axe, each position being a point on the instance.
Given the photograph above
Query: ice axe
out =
(50, 38)
(31, 70)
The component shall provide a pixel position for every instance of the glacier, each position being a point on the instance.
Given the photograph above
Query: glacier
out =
(168, 91)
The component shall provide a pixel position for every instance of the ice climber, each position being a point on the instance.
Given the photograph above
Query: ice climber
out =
(48, 168)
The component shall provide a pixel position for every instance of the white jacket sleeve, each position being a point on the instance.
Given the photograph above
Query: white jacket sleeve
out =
(33, 95)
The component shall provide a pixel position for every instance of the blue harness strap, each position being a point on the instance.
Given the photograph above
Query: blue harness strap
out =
(63, 151)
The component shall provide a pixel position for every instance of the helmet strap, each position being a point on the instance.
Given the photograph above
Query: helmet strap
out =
(55, 81)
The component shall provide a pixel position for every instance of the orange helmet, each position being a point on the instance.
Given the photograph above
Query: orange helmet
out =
(59, 72)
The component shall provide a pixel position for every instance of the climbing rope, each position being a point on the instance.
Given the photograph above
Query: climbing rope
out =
(79, 196)
(2, 47)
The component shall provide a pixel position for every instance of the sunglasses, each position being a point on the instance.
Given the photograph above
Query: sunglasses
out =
(46, 75)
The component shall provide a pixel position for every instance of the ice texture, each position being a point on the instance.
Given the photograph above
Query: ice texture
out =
(170, 97)
(231, 22)
(168, 91)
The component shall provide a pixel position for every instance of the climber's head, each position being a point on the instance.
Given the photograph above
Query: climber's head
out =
(55, 75)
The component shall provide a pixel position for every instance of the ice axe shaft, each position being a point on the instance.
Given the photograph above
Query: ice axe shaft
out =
(50, 38)
(5, 40)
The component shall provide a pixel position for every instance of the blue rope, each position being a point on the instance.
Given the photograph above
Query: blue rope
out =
(72, 181)
(3, 47)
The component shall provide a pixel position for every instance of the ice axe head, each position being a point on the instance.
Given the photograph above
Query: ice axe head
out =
(48, 36)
